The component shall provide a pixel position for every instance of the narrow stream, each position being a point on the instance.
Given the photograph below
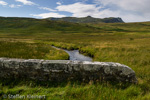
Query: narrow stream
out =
(75, 55)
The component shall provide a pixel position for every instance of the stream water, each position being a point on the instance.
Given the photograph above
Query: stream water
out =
(75, 55)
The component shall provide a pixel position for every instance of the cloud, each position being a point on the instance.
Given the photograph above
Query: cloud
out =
(46, 8)
(26, 2)
(14, 6)
(126, 16)
(58, 3)
(128, 10)
(79, 9)
(46, 15)
(3, 3)
(132, 5)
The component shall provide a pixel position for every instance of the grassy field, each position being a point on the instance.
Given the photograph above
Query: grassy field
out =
(126, 43)
(30, 51)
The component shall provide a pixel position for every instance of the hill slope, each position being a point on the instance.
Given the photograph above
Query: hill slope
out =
(88, 19)
(30, 25)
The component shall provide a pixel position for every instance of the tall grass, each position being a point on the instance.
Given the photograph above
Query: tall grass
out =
(30, 51)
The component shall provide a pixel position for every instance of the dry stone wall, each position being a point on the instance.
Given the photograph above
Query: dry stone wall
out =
(64, 70)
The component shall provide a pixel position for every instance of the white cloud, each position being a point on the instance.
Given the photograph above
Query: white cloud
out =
(79, 9)
(132, 5)
(26, 2)
(128, 10)
(3, 3)
(46, 8)
(14, 6)
(46, 15)
(59, 3)
(82, 10)
(127, 17)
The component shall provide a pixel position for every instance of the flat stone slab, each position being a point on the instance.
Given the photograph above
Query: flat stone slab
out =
(65, 70)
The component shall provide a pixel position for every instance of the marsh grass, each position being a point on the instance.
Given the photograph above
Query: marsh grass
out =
(69, 90)
(30, 51)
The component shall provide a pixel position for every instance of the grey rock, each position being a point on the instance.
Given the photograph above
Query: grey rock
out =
(64, 70)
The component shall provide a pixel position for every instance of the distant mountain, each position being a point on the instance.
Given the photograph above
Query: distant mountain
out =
(88, 19)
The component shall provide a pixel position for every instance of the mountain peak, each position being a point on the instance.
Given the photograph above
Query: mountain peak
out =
(89, 16)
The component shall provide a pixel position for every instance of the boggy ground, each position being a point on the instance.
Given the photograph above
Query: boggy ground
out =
(126, 43)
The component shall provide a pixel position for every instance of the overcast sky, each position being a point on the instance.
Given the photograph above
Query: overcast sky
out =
(128, 10)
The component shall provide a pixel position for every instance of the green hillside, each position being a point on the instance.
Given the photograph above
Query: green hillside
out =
(88, 19)
(24, 26)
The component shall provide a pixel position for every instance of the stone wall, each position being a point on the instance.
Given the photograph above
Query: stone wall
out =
(64, 70)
